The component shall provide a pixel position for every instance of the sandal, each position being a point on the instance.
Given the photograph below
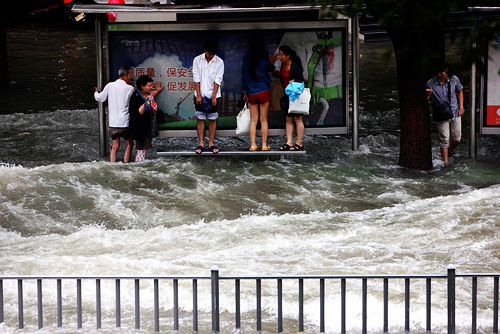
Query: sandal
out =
(266, 148)
(214, 149)
(255, 148)
(285, 147)
(199, 149)
(297, 147)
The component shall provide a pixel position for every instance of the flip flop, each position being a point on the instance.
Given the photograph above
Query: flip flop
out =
(255, 148)
(214, 149)
(199, 149)
(266, 148)
(285, 147)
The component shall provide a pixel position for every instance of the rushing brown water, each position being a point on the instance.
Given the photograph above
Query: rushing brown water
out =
(334, 212)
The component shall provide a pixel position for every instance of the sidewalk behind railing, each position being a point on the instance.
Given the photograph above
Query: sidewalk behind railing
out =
(215, 279)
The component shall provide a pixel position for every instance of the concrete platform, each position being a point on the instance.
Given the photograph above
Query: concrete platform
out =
(229, 153)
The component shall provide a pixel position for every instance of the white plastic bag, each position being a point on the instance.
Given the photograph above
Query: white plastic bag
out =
(243, 121)
(301, 105)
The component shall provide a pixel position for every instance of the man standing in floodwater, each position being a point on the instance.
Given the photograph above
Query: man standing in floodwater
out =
(447, 90)
(208, 70)
(118, 95)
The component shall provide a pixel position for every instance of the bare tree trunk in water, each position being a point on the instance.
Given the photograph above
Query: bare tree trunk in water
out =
(417, 54)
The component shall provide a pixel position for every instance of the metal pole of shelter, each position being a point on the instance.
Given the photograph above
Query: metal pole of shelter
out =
(472, 141)
(103, 147)
(355, 80)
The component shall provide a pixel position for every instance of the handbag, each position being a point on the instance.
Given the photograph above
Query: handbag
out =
(301, 104)
(243, 121)
(441, 111)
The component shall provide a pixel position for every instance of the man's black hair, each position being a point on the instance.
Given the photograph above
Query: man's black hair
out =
(142, 81)
(210, 47)
(441, 67)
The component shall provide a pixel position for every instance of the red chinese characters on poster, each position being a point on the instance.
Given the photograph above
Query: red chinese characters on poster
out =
(180, 79)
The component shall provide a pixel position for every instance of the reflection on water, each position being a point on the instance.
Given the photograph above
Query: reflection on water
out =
(333, 212)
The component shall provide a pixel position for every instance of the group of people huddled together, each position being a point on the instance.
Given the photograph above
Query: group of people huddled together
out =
(132, 111)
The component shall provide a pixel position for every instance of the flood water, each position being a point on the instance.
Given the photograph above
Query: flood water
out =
(63, 211)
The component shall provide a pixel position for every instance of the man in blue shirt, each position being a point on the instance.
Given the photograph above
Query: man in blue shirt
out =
(445, 89)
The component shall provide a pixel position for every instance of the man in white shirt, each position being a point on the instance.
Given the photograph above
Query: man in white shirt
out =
(208, 70)
(118, 95)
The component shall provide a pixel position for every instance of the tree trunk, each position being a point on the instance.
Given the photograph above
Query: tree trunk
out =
(417, 54)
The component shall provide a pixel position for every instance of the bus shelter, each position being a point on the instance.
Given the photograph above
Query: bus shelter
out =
(162, 40)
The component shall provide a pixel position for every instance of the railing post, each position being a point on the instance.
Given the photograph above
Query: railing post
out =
(451, 299)
(137, 307)
(39, 302)
(280, 305)
(195, 305)
(59, 303)
(175, 287)
(495, 305)
(156, 305)
(79, 319)
(1, 302)
(98, 315)
(118, 318)
(214, 277)
(301, 305)
(258, 311)
(20, 303)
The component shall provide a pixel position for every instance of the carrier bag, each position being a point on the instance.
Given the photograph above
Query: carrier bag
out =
(301, 104)
(243, 121)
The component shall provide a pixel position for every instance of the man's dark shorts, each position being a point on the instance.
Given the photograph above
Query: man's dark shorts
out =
(116, 133)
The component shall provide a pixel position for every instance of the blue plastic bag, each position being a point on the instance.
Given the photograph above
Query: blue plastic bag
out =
(294, 89)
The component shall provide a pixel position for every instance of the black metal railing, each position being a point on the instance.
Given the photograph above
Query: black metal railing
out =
(215, 279)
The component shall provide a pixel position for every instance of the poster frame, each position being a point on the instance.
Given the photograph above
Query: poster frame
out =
(485, 128)
(341, 24)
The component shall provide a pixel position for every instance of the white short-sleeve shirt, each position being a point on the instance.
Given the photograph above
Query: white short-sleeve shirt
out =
(208, 73)
(118, 95)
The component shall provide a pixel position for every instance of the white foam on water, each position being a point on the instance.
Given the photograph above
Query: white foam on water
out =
(180, 218)
(386, 240)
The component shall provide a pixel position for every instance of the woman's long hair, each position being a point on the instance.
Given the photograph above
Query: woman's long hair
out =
(256, 53)
(288, 51)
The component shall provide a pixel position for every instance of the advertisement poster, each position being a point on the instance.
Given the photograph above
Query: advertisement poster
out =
(492, 118)
(167, 56)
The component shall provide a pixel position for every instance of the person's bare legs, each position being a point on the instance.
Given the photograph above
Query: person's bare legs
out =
(212, 126)
(444, 155)
(254, 118)
(264, 126)
(289, 130)
(453, 146)
(115, 146)
(200, 129)
(128, 150)
(300, 129)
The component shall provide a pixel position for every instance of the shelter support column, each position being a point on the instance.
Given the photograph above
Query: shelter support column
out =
(473, 135)
(355, 80)
(103, 147)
